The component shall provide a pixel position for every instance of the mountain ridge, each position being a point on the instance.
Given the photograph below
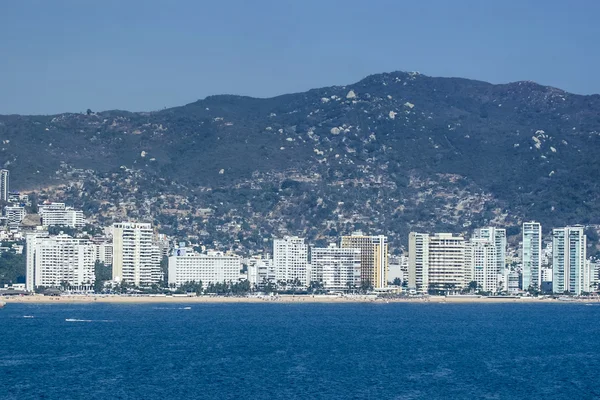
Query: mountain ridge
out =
(518, 151)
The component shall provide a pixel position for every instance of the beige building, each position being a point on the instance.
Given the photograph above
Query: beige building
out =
(373, 257)
(436, 262)
(136, 258)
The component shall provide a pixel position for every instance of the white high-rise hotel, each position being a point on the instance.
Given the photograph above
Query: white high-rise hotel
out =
(532, 255)
(290, 259)
(436, 262)
(338, 269)
(486, 259)
(54, 261)
(418, 262)
(569, 266)
(213, 267)
(136, 259)
(481, 264)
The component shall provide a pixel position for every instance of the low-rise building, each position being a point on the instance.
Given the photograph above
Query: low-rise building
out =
(58, 214)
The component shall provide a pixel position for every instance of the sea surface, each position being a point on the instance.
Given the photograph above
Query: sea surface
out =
(300, 351)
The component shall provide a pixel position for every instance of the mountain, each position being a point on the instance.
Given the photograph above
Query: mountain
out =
(391, 153)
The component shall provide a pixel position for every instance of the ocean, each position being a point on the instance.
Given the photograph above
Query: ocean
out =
(299, 351)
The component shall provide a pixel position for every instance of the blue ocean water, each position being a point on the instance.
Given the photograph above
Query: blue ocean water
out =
(300, 351)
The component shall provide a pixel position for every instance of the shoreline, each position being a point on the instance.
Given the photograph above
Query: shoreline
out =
(39, 299)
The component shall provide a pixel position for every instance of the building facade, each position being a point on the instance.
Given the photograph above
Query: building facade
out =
(498, 237)
(290, 259)
(569, 265)
(336, 268)
(136, 259)
(60, 261)
(261, 271)
(4, 184)
(446, 262)
(213, 267)
(418, 262)
(482, 265)
(373, 257)
(14, 216)
(58, 214)
(532, 255)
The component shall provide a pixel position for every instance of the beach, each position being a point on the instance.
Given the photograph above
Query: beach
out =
(40, 299)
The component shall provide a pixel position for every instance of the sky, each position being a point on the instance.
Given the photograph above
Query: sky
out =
(68, 56)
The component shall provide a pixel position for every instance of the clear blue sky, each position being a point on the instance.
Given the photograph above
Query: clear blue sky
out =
(58, 56)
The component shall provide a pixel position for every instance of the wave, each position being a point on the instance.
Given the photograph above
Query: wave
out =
(86, 320)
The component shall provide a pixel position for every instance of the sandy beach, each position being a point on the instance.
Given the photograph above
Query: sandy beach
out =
(278, 299)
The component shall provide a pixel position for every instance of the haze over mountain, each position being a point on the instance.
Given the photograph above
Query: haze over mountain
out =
(391, 153)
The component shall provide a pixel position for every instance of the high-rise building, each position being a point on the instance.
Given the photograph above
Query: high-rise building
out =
(290, 259)
(213, 267)
(4, 184)
(31, 240)
(446, 262)
(532, 255)
(337, 268)
(418, 262)
(136, 259)
(373, 257)
(498, 237)
(482, 266)
(56, 261)
(569, 267)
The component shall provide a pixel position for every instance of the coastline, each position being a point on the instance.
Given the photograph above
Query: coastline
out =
(39, 299)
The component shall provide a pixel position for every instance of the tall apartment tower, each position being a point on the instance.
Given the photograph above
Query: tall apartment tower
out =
(135, 256)
(482, 265)
(373, 257)
(498, 237)
(418, 262)
(31, 241)
(569, 267)
(446, 261)
(4, 183)
(532, 254)
(290, 259)
(336, 268)
(436, 262)
(52, 261)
